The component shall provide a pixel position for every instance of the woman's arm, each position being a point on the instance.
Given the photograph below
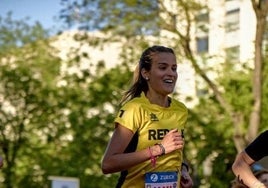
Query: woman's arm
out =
(116, 160)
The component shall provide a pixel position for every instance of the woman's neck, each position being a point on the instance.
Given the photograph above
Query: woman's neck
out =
(160, 100)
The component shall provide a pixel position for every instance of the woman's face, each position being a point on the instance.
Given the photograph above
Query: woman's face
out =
(163, 74)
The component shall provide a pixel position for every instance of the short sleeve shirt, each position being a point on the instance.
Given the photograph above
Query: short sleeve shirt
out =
(151, 122)
(258, 148)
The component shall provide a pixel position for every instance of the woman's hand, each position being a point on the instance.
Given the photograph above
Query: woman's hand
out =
(173, 140)
(186, 180)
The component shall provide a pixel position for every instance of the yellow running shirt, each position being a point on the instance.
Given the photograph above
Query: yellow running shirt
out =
(150, 123)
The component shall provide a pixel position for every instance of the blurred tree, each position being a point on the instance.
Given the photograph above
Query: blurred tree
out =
(130, 17)
(91, 101)
(27, 74)
(15, 33)
(52, 122)
(261, 11)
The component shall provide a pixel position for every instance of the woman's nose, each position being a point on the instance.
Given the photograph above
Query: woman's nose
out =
(172, 72)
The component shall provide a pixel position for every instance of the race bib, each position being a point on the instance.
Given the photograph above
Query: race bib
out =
(161, 180)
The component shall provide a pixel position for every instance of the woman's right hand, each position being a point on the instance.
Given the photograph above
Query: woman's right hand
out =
(173, 140)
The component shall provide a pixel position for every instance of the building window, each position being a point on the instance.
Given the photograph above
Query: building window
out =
(202, 23)
(202, 44)
(232, 20)
(202, 29)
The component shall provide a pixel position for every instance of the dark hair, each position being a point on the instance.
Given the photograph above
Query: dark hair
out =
(139, 83)
(236, 183)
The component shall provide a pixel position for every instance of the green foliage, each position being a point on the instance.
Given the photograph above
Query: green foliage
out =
(128, 17)
(91, 122)
(211, 141)
(209, 148)
(26, 108)
(49, 128)
(16, 33)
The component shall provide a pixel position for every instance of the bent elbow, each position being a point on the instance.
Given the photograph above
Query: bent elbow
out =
(234, 166)
(238, 163)
(104, 170)
(106, 167)
(110, 165)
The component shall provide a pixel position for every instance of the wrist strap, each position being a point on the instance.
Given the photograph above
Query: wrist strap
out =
(163, 151)
(152, 158)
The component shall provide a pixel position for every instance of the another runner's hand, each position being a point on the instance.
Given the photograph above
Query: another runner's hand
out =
(173, 140)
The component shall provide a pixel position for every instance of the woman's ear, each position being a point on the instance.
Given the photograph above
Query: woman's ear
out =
(144, 74)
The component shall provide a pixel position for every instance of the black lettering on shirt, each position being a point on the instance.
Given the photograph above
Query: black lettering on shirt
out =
(151, 135)
(121, 113)
(157, 134)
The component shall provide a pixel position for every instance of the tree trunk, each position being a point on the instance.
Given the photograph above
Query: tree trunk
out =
(261, 9)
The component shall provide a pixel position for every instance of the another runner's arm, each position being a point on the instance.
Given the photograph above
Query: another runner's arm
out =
(241, 169)
(253, 152)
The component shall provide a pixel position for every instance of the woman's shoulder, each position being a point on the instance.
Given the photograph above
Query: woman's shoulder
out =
(134, 103)
(178, 104)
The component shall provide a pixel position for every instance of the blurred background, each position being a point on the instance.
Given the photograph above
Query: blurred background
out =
(65, 64)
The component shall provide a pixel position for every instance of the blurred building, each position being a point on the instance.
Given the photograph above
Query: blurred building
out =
(227, 29)
(224, 32)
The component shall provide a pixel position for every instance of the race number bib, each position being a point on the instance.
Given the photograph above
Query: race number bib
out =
(161, 180)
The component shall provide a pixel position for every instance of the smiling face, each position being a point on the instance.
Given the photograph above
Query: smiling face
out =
(163, 75)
